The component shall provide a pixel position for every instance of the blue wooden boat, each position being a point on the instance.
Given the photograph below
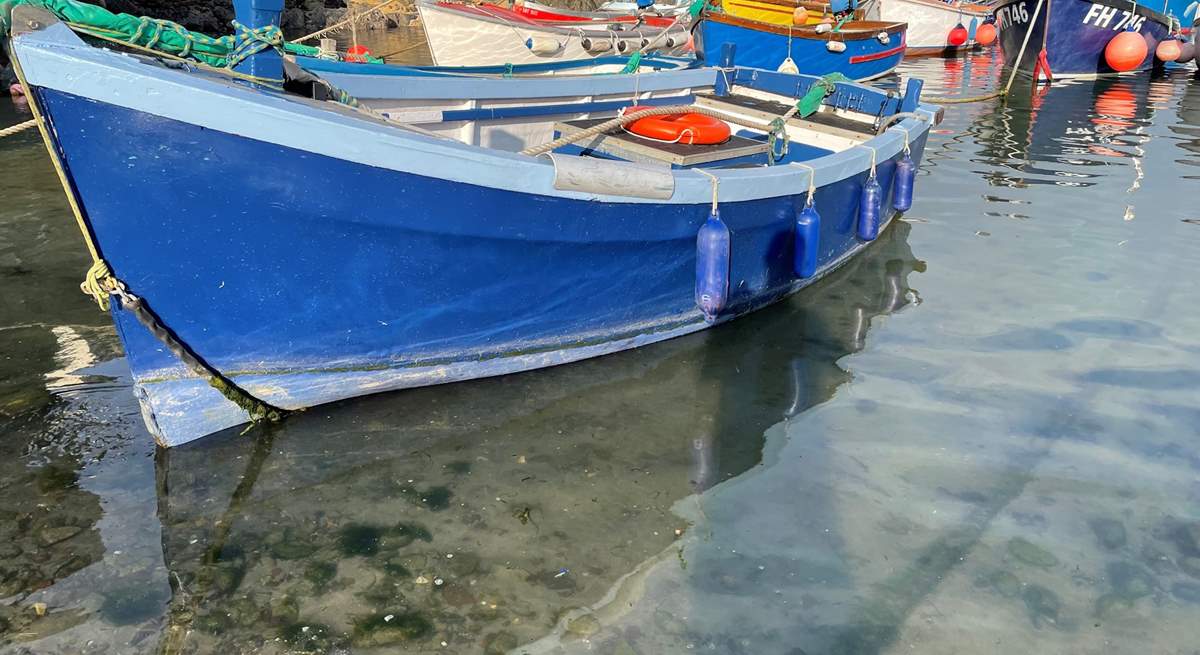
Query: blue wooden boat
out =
(266, 252)
(860, 50)
(1073, 34)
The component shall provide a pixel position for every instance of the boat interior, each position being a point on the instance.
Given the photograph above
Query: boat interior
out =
(850, 116)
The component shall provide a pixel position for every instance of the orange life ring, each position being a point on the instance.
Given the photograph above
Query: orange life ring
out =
(689, 128)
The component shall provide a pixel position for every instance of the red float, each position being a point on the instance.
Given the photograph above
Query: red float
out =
(357, 53)
(958, 35)
(1126, 51)
(986, 34)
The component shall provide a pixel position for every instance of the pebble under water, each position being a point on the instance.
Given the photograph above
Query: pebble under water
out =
(980, 436)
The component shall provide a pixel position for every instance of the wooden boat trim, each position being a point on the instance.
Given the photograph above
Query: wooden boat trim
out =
(853, 31)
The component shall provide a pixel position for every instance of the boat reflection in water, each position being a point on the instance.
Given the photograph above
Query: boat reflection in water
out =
(475, 516)
(1042, 138)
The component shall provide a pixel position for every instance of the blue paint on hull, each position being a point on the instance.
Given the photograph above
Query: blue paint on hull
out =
(765, 49)
(309, 279)
(1075, 33)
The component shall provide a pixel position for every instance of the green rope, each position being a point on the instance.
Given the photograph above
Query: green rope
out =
(163, 35)
(634, 63)
(811, 101)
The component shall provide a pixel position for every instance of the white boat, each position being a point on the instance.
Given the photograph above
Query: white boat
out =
(486, 34)
(930, 23)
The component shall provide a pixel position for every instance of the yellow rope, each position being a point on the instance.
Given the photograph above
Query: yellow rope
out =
(19, 127)
(58, 167)
(99, 283)
(961, 99)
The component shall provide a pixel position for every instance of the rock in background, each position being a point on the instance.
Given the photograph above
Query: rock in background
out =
(208, 16)
(213, 16)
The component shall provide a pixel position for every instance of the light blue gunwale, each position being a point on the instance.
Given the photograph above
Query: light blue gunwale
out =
(57, 59)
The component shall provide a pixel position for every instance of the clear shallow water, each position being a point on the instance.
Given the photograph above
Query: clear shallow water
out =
(981, 436)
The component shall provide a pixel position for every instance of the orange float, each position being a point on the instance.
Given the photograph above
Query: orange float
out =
(689, 128)
(986, 34)
(1168, 50)
(1126, 51)
(800, 16)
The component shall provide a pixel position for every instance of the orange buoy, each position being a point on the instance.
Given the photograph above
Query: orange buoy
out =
(1168, 50)
(800, 16)
(689, 128)
(957, 36)
(357, 53)
(986, 34)
(1126, 51)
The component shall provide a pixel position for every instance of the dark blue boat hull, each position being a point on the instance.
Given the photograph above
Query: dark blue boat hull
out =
(863, 59)
(1075, 33)
(308, 279)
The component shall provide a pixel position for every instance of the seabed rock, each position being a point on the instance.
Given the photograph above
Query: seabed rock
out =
(1111, 605)
(583, 626)
(389, 628)
(1043, 605)
(1130, 580)
(51, 536)
(1029, 553)
(500, 643)
(1188, 592)
(1110, 533)
(1190, 566)
(320, 573)
(1002, 582)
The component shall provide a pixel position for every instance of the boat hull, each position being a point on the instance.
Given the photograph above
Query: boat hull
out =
(387, 280)
(311, 253)
(461, 35)
(929, 24)
(760, 45)
(1074, 33)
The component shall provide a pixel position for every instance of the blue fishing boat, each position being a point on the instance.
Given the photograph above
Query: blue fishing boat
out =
(263, 251)
(860, 50)
(1067, 38)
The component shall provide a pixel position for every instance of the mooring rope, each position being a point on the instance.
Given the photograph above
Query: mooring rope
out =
(965, 99)
(100, 283)
(18, 128)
